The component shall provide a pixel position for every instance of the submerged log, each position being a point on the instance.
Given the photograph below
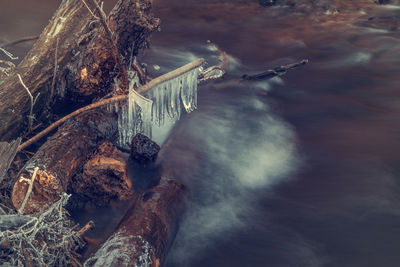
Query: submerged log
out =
(146, 233)
(149, 227)
(85, 63)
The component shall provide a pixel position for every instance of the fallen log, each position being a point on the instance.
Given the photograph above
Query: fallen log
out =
(62, 157)
(85, 67)
(149, 227)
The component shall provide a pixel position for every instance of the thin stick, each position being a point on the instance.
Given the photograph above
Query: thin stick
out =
(21, 40)
(84, 229)
(123, 72)
(163, 78)
(91, 12)
(53, 82)
(32, 102)
(275, 71)
(28, 193)
(140, 72)
(8, 54)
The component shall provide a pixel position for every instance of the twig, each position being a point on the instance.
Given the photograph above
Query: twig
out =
(21, 40)
(9, 67)
(32, 102)
(123, 72)
(215, 72)
(91, 12)
(142, 77)
(28, 193)
(275, 71)
(90, 225)
(53, 82)
(163, 78)
(8, 54)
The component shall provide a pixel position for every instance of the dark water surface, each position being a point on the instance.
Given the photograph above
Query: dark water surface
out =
(302, 170)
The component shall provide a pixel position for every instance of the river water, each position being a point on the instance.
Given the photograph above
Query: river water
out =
(300, 170)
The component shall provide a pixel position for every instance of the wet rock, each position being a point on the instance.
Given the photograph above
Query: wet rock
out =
(143, 150)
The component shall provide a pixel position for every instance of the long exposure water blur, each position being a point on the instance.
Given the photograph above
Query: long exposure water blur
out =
(299, 170)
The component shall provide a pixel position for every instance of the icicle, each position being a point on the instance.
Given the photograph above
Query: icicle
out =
(166, 100)
(189, 90)
(170, 95)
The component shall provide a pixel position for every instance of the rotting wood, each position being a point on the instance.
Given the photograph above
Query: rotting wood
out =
(61, 157)
(147, 231)
(83, 49)
(103, 177)
(142, 90)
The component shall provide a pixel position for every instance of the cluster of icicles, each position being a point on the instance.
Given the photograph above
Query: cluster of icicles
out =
(163, 102)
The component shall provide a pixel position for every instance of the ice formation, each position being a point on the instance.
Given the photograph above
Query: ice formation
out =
(164, 99)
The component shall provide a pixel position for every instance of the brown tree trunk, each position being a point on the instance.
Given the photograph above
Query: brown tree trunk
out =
(86, 65)
(147, 231)
(62, 157)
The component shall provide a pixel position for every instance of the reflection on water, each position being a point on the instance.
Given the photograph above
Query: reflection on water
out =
(298, 171)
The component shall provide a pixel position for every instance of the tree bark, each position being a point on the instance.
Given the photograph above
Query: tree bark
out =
(86, 66)
(147, 231)
(62, 157)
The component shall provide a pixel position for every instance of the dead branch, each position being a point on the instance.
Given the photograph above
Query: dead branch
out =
(28, 193)
(21, 40)
(47, 239)
(32, 103)
(275, 71)
(8, 54)
(90, 225)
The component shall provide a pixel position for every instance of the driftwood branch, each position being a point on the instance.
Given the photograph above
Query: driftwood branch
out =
(275, 71)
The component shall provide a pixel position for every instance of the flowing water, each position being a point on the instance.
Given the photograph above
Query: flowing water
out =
(300, 170)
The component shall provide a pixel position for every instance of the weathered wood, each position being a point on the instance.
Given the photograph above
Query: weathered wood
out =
(104, 176)
(149, 227)
(146, 233)
(61, 157)
(86, 63)
(7, 154)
